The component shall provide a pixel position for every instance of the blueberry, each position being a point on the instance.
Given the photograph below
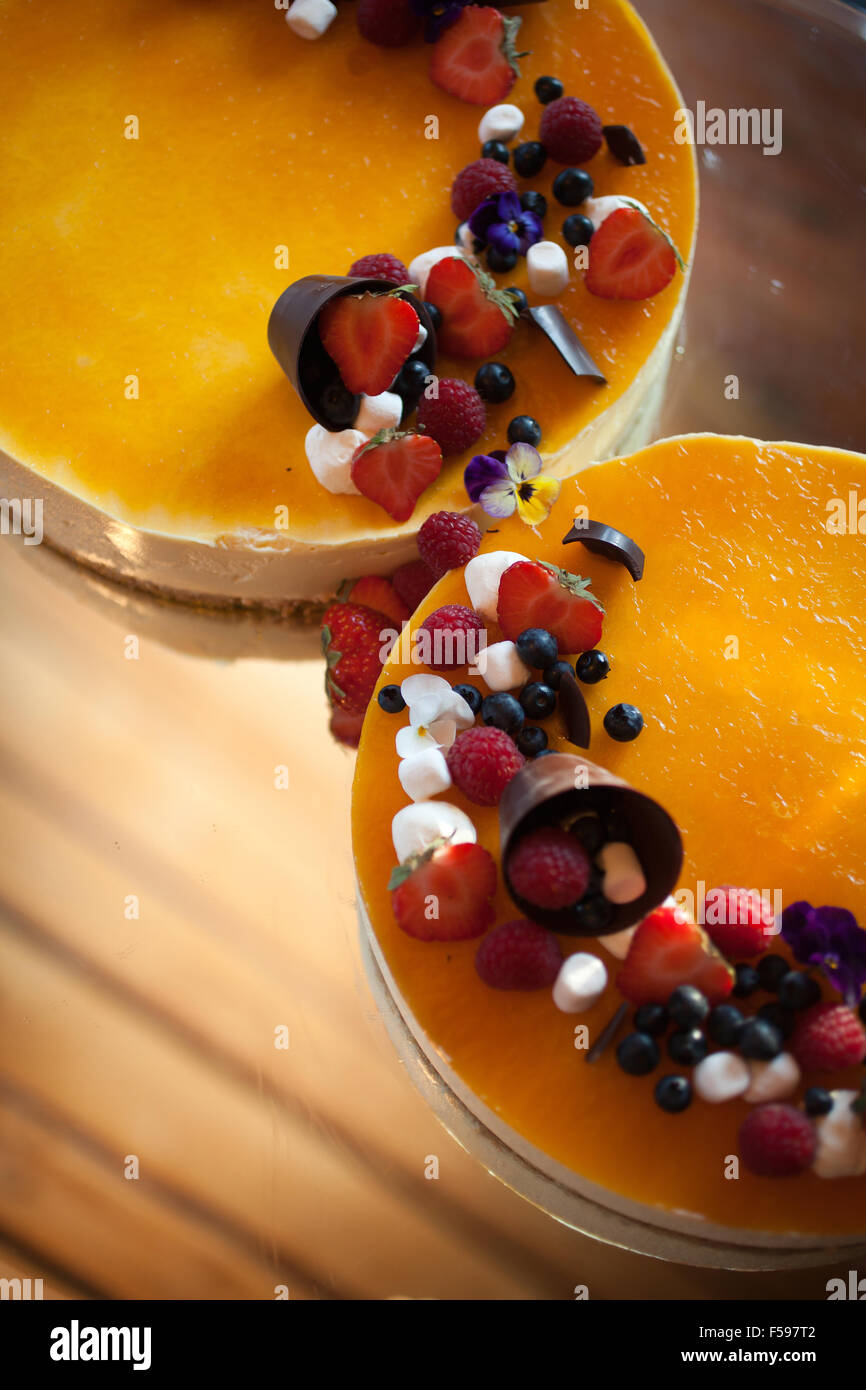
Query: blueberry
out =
(435, 315)
(571, 187)
(495, 149)
(780, 1017)
(553, 674)
(577, 229)
(745, 980)
(817, 1101)
(411, 380)
(533, 201)
(391, 699)
(531, 741)
(688, 1047)
(537, 647)
(673, 1093)
(537, 700)
(725, 1024)
(687, 1006)
(590, 831)
(592, 914)
(652, 1019)
(771, 969)
(524, 430)
(502, 711)
(500, 261)
(548, 89)
(530, 158)
(520, 301)
(338, 405)
(494, 382)
(470, 695)
(797, 990)
(623, 723)
(592, 667)
(637, 1054)
(760, 1041)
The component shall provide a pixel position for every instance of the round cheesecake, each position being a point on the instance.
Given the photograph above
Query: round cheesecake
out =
(190, 165)
(743, 647)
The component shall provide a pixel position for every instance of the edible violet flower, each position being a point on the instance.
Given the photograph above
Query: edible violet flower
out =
(830, 938)
(513, 483)
(438, 15)
(501, 222)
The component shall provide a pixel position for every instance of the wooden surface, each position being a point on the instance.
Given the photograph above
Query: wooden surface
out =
(155, 1037)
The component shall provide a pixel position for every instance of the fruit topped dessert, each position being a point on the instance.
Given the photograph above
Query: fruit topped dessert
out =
(278, 274)
(609, 832)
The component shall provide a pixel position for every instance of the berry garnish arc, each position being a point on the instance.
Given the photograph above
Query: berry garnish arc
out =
(533, 593)
(443, 893)
(369, 336)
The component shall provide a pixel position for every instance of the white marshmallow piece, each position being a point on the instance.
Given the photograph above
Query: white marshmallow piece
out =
(329, 455)
(420, 268)
(424, 774)
(501, 666)
(482, 576)
(415, 827)
(379, 413)
(618, 942)
(841, 1151)
(310, 18)
(772, 1080)
(547, 266)
(465, 237)
(721, 1076)
(501, 122)
(421, 339)
(624, 879)
(581, 982)
(598, 209)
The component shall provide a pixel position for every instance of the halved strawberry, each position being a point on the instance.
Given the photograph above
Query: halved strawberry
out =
(475, 59)
(535, 594)
(369, 337)
(378, 593)
(668, 950)
(477, 318)
(393, 468)
(630, 257)
(443, 894)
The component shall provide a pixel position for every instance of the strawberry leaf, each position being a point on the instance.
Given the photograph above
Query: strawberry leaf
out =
(408, 867)
(574, 583)
(667, 236)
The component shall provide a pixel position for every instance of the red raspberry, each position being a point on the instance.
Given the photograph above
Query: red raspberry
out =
(828, 1037)
(382, 266)
(777, 1141)
(413, 582)
(451, 638)
(519, 955)
(549, 868)
(570, 131)
(477, 182)
(455, 417)
(448, 539)
(745, 922)
(482, 762)
(387, 23)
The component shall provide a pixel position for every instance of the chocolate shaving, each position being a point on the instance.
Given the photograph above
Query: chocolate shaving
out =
(574, 708)
(559, 331)
(608, 1033)
(606, 541)
(623, 144)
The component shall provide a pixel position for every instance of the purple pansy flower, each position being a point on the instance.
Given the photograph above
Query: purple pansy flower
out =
(512, 483)
(830, 938)
(438, 15)
(501, 222)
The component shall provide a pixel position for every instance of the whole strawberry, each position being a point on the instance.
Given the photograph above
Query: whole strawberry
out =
(352, 646)
(777, 1141)
(443, 893)
(519, 955)
(448, 540)
(828, 1037)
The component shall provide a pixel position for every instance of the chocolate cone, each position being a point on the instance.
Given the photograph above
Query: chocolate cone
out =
(549, 791)
(294, 340)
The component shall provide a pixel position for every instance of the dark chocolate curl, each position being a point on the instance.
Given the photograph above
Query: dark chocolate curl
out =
(623, 144)
(551, 791)
(604, 540)
(575, 712)
(556, 327)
